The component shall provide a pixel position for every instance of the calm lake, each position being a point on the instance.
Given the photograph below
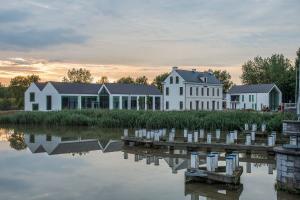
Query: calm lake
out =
(91, 163)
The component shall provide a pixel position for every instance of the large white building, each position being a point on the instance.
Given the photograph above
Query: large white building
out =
(53, 96)
(192, 90)
(256, 97)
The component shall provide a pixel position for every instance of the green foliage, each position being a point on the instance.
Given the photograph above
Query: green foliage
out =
(225, 78)
(142, 80)
(149, 119)
(126, 80)
(103, 80)
(158, 80)
(18, 86)
(275, 69)
(80, 75)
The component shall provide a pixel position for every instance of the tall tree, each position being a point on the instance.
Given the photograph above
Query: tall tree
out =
(142, 80)
(158, 80)
(80, 75)
(19, 84)
(275, 69)
(225, 78)
(297, 66)
(127, 80)
(103, 80)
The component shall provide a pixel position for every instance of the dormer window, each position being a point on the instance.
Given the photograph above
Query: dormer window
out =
(205, 79)
(171, 80)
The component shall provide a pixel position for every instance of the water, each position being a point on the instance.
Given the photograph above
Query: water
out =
(40, 163)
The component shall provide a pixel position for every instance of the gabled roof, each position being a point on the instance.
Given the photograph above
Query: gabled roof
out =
(40, 85)
(76, 147)
(76, 88)
(133, 89)
(194, 76)
(112, 146)
(256, 88)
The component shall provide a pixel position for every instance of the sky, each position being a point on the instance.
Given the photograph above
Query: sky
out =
(116, 38)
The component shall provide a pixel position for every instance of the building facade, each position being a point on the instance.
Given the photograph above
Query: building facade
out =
(255, 97)
(192, 90)
(54, 96)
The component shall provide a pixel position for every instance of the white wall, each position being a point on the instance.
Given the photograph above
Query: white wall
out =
(260, 99)
(174, 96)
(49, 90)
(27, 103)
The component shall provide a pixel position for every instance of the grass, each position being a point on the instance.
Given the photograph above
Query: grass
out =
(226, 120)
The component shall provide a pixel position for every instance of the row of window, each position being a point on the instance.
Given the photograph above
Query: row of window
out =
(214, 91)
(198, 105)
(176, 80)
(251, 98)
(141, 102)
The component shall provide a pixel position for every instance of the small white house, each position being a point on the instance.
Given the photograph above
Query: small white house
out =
(192, 90)
(256, 97)
(53, 96)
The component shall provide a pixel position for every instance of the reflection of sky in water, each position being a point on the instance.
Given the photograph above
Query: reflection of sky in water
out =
(107, 176)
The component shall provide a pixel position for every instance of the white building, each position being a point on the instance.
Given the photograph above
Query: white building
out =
(257, 97)
(53, 96)
(192, 90)
(298, 90)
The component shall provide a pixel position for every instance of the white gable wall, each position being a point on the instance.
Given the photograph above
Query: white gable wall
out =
(37, 92)
(56, 98)
(260, 100)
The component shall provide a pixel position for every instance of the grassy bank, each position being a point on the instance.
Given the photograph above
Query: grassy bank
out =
(148, 119)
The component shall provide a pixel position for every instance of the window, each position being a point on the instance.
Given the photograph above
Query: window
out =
(197, 91)
(171, 80)
(218, 105)
(207, 91)
(197, 105)
(125, 103)
(48, 138)
(205, 80)
(177, 79)
(202, 105)
(49, 102)
(191, 105)
(142, 101)
(243, 98)
(149, 102)
(31, 138)
(207, 105)
(181, 91)
(180, 105)
(202, 91)
(32, 96)
(218, 92)
(252, 98)
(167, 105)
(167, 91)
(116, 102)
(133, 103)
(69, 102)
(213, 92)
(191, 91)
(157, 103)
(88, 102)
(35, 106)
(249, 98)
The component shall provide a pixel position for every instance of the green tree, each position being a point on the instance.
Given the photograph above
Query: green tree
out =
(158, 80)
(297, 66)
(103, 80)
(142, 80)
(18, 86)
(225, 78)
(127, 80)
(80, 75)
(275, 69)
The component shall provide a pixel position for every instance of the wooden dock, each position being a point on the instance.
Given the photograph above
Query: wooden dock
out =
(219, 176)
(198, 145)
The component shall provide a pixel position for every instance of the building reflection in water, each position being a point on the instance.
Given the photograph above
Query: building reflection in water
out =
(53, 145)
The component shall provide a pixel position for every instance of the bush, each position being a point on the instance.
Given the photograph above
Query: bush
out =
(226, 120)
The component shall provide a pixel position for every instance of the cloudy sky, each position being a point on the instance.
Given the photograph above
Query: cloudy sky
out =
(142, 37)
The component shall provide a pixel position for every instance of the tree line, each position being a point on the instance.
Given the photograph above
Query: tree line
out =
(274, 69)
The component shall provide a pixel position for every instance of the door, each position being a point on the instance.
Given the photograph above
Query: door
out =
(49, 102)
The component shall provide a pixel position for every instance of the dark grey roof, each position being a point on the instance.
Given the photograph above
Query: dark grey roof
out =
(112, 146)
(135, 89)
(76, 88)
(256, 88)
(40, 85)
(76, 147)
(40, 149)
(194, 76)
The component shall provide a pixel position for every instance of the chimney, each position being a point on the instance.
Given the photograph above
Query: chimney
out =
(174, 68)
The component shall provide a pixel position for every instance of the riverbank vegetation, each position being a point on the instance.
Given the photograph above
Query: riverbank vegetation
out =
(226, 120)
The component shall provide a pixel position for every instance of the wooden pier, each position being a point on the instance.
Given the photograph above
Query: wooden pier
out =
(198, 145)
(219, 176)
